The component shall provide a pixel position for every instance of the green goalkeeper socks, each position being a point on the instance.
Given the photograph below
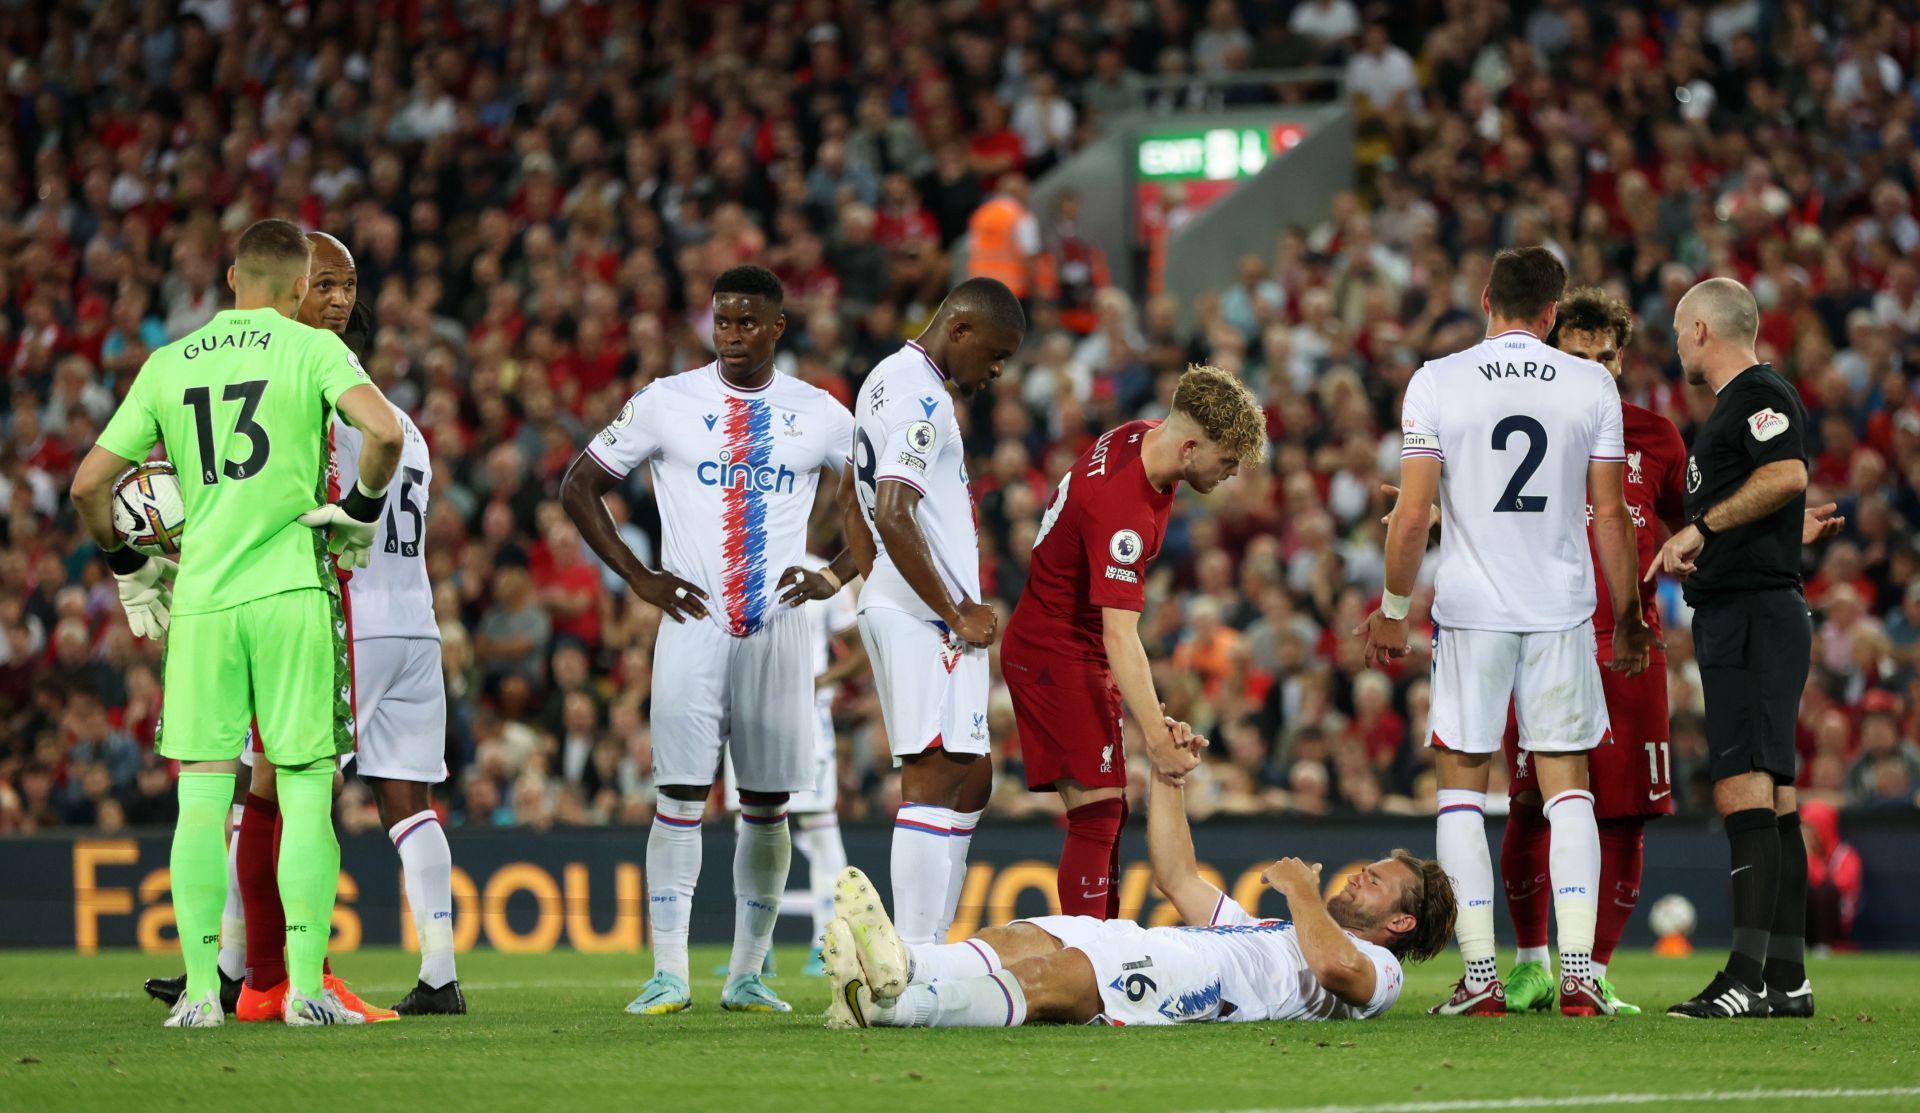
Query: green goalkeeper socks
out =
(309, 870)
(198, 869)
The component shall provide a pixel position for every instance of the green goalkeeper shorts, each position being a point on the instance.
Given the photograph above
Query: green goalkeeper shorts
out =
(280, 662)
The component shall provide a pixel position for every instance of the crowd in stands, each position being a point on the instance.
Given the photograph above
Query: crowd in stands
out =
(538, 194)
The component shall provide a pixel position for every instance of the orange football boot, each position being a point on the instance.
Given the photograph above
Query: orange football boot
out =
(352, 1001)
(259, 1006)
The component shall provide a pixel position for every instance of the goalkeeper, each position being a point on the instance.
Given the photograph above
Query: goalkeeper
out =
(253, 624)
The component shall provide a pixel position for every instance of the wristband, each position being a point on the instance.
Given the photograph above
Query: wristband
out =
(827, 574)
(1707, 533)
(363, 505)
(125, 560)
(1394, 606)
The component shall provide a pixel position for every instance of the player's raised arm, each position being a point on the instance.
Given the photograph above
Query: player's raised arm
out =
(1328, 950)
(1176, 870)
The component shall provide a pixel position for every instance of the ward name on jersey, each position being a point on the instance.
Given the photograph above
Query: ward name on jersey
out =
(1101, 530)
(241, 405)
(392, 597)
(734, 472)
(1656, 467)
(905, 430)
(1515, 423)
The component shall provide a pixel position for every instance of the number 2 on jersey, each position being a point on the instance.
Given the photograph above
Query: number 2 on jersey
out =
(200, 400)
(411, 478)
(1511, 500)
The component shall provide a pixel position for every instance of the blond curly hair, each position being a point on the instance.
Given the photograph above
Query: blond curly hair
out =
(1225, 410)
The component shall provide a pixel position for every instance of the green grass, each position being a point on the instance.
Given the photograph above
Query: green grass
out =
(547, 1032)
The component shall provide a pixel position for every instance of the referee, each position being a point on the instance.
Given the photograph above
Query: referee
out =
(1739, 557)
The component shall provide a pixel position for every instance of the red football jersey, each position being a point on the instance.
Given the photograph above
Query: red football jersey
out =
(1656, 470)
(1102, 528)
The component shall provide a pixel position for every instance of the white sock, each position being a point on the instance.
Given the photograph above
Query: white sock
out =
(1599, 970)
(762, 853)
(673, 866)
(935, 962)
(426, 863)
(957, 847)
(1461, 839)
(1530, 954)
(921, 863)
(1573, 866)
(986, 1001)
(819, 839)
(233, 920)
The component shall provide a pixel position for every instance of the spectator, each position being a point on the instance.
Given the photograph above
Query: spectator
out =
(1381, 75)
(1330, 23)
(512, 638)
(1888, 766)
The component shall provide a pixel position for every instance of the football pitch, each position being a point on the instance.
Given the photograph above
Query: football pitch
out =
(548, 1032)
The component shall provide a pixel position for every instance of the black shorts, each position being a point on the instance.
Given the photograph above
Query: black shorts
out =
(1753, 648)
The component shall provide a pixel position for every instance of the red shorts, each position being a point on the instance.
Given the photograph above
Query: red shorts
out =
(1070, 731)
(1632, 774)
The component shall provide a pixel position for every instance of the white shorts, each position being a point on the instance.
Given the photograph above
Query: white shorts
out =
(1550, 678)
(400, 703)
(752, 696)
(824, 795)
(932, 685)
(1146, 975)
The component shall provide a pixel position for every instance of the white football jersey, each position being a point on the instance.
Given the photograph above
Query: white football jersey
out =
(1514, 423)
(905, 431)
(391, 597)
(735, 473)
(1264, 976)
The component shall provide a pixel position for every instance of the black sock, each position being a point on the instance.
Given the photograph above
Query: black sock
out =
(1755, 838)
(1787, 948)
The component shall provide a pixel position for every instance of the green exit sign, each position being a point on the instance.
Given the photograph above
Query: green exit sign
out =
(1212, 154)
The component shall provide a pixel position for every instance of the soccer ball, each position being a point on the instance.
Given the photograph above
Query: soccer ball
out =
(1672, 915)
(149, 512)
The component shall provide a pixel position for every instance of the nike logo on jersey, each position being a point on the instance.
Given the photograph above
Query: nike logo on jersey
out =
(1738, 869)
(927, 405)
(710, 419)
(1660, 795)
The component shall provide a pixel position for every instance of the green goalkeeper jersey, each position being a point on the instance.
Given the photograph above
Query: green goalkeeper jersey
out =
(242, 407)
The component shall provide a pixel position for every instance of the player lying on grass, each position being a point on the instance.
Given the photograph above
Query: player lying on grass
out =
(1337, 959)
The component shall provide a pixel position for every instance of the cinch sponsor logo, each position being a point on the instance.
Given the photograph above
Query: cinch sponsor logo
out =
(742, 476)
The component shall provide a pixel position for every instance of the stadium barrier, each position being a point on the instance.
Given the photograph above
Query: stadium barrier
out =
(522, 891)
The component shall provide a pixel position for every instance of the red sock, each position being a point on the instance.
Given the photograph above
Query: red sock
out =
(1621, 843)
(1086, 862)
(1113, 866)
(260, 893)
(1523, 871)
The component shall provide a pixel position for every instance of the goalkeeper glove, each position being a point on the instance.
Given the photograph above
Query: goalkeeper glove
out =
(146, 590)
(350, 524)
